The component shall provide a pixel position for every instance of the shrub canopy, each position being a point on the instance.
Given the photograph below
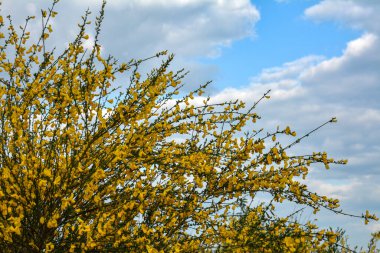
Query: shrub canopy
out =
(88, 166)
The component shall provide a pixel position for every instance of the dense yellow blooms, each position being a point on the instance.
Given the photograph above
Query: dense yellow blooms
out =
(84, 167)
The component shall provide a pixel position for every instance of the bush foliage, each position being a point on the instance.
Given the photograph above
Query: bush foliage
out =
(88, 166)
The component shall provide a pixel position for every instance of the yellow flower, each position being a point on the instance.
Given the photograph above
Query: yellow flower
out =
(52, 223)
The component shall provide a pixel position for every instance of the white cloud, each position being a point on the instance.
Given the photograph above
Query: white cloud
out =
(363, 14)
(289, 70)
(334, 189)
(188, 28)
(341, 10)
(191, 29)
(359, 48)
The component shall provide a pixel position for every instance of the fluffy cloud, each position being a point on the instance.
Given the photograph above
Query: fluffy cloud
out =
(140, 28)
(361, 15)
(189, 28)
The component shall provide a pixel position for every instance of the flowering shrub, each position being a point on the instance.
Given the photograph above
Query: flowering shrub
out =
(86, 166)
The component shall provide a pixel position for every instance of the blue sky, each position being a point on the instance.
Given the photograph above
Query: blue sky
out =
(320, 58)
(273, 44)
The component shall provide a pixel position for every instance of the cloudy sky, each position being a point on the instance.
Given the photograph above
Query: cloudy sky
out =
(320, 58)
